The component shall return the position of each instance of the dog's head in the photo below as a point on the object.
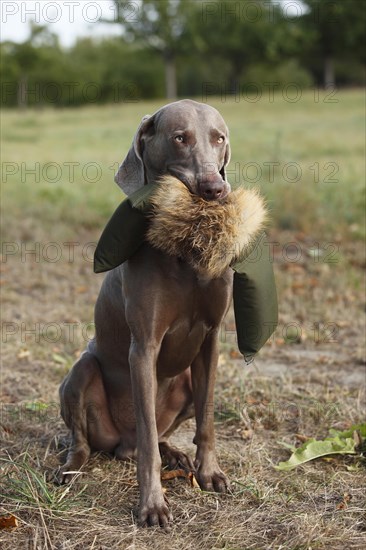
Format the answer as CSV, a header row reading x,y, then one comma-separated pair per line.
x,y
186,139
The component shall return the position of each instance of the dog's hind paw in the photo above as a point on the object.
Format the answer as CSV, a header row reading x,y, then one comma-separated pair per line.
x,y
64,476
174,458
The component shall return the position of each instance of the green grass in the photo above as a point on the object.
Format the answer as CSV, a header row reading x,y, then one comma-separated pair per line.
x,y
319,144
27,487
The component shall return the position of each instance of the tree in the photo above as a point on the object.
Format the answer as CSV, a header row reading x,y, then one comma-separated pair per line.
x,y
238,32
159,26
21,60
338,29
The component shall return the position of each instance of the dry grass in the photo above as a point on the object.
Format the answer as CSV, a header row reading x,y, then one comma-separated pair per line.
x,y
295,386
309,378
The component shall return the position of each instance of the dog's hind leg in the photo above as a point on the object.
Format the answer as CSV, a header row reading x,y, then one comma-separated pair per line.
x,y
171,456
85,411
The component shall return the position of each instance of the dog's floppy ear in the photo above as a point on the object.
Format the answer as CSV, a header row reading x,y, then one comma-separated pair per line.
x,y
131,173
226,161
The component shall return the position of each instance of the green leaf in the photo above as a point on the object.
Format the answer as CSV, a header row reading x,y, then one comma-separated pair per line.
x,y
288,446
315,449
59,358
360,428
351,441
36,406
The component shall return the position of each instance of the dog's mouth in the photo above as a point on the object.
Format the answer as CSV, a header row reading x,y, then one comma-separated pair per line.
x,y
210,190
183,178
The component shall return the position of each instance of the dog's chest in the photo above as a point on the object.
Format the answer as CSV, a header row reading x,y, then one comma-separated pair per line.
x,y
198,311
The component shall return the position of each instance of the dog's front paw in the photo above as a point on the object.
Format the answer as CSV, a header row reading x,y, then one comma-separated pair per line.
x,y
213,482
209,475
155,512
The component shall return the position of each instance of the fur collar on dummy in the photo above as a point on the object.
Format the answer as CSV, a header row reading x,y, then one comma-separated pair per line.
x,y
208,235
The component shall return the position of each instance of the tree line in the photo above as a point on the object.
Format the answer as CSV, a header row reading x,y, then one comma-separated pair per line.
x,y
177,48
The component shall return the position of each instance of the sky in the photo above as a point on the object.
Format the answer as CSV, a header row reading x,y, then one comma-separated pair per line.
x,y
71,19
68,19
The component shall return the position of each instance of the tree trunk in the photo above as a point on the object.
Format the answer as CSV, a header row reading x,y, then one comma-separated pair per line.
x,y
170,77
22,92
329,78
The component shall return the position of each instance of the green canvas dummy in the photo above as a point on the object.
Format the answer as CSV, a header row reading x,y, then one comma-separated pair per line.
x,y
125,231
254,291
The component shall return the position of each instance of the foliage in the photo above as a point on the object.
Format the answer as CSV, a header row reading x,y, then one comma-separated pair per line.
x,y
159,25
198,45
91,72
288,73
348,442
338,34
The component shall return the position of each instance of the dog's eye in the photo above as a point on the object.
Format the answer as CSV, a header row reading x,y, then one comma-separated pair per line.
x,y
179,139
221,139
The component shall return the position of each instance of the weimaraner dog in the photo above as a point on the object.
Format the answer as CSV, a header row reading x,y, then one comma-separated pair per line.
x,y
153,360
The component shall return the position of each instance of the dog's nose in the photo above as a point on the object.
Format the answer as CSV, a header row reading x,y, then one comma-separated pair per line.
x,y
211,191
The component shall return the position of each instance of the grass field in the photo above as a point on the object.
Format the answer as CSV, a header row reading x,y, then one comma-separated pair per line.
x,y
57,194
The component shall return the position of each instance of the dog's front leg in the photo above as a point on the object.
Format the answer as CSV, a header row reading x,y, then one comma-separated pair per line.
x,y
153,507
209,475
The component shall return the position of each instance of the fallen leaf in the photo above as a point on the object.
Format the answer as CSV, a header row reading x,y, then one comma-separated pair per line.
x,y
301,236
344,504
59,359
313,282
252,400
302,438
357,439
343,324
36,406
298,287
81,289
171,474
6,429
360,428
193,480
339,443
316,449
23,353
246,434
8,522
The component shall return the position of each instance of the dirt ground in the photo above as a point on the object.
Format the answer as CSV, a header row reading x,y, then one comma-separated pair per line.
x,y
308,378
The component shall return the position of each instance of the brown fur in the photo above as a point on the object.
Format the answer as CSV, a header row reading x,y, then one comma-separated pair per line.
x,y
209,235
